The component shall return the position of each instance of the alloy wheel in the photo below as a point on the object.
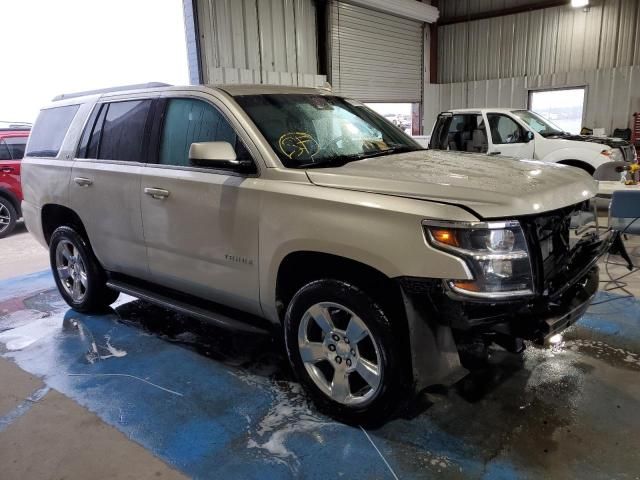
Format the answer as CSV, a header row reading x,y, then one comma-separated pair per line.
x,y
71,270
5,218
340,354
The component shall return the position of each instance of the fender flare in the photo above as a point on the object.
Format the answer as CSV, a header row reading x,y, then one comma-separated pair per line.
x,y
572,162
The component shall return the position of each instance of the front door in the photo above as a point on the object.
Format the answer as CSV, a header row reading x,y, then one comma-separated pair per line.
x,y
200,224
507,137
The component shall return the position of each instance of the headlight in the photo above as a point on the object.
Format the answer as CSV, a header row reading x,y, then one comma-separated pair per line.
x,y
615,154
495,252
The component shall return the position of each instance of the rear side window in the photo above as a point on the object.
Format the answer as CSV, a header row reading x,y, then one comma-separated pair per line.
x,y
123,131
4,151
117,131
460,132
16,146
49,131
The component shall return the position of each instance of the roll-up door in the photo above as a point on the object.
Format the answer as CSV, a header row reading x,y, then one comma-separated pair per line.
x,y
375,56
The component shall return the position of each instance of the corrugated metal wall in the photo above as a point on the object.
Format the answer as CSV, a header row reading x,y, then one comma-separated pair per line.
x,y
613,94
259,41
540,42
192,43
375,56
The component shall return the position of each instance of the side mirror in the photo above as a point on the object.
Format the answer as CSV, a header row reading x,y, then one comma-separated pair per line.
x,y
528,136
217,155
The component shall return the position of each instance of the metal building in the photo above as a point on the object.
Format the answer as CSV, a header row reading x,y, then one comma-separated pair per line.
x,y
479,53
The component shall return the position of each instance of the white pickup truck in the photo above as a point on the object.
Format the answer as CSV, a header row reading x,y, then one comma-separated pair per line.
x,y
524,134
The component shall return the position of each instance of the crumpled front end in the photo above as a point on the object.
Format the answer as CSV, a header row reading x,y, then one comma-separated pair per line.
x,y
565,280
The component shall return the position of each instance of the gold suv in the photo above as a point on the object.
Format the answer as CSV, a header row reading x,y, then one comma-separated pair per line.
x,y
300,213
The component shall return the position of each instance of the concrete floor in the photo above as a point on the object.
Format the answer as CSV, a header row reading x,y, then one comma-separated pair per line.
x,y
21,254
141,392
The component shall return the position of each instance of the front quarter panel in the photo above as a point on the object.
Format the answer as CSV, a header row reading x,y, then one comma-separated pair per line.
x,y
381,231
559,150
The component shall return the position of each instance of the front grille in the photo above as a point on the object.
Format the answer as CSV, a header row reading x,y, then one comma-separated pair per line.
x,y
556,258
549,242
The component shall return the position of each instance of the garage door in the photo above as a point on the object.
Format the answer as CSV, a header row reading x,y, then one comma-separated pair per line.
x,y
375,57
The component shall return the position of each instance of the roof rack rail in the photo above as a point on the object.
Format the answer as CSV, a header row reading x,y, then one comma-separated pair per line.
x,y
137,86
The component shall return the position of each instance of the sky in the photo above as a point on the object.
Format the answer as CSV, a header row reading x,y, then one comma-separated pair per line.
x,y
60,46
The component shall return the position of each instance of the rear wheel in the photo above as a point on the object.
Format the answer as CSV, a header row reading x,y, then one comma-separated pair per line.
x,y
8,217
78,275
342,348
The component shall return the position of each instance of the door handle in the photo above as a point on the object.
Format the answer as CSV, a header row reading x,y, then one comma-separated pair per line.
x,y
157,193
83,182
7,169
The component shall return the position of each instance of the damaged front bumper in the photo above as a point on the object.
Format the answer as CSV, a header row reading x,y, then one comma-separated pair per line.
x,y
535,318
440,319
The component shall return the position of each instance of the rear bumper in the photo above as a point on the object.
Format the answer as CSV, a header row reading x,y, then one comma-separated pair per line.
x,y
33,220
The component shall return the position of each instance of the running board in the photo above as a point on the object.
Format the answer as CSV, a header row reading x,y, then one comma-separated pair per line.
x,y
216,318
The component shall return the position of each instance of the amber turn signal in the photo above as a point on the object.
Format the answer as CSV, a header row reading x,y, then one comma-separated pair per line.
x,y
444,236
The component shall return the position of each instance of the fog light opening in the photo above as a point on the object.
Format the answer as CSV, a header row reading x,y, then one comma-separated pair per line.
x,y
555,339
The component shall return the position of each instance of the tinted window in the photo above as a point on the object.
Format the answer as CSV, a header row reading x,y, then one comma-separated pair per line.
x,y
504,129
16,146
123,131
88,130
49,131
4,151
188,121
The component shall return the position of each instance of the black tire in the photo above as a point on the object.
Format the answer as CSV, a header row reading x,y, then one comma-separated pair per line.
x,y
7,207
96,296
383,403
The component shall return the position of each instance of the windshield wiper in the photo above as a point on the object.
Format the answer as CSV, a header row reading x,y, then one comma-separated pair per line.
x,y
341,160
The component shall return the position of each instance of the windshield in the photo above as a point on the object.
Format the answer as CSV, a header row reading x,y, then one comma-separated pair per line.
x,y
308,131
541,125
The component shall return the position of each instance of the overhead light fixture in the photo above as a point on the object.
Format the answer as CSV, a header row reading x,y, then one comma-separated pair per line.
x,y
579,3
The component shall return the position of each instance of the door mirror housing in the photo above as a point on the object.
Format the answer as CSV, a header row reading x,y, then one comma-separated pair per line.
x,y
528,136
220,155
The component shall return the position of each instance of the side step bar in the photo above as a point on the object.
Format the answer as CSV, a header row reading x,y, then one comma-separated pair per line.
x,y
216,318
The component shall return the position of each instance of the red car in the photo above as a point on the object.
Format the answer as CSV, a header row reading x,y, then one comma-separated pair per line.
x,y
12,144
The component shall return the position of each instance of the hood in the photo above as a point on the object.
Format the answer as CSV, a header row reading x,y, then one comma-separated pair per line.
x,y
608,141
492,187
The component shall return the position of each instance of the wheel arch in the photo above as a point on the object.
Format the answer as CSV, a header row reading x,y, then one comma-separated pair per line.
x,y
54,216
587,167
303,266
11,197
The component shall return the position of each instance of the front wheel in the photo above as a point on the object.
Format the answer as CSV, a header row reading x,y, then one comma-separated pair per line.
x,y
344,351
77,273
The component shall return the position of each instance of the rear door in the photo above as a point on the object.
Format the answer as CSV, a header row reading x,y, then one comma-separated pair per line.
x,y
11,153
202,230
105,183
508,137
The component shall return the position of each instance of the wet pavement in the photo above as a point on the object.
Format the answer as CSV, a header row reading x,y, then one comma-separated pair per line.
x,y
214,404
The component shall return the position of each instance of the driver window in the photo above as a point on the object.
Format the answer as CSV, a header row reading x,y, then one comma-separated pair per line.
x,y
190,121
504,129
